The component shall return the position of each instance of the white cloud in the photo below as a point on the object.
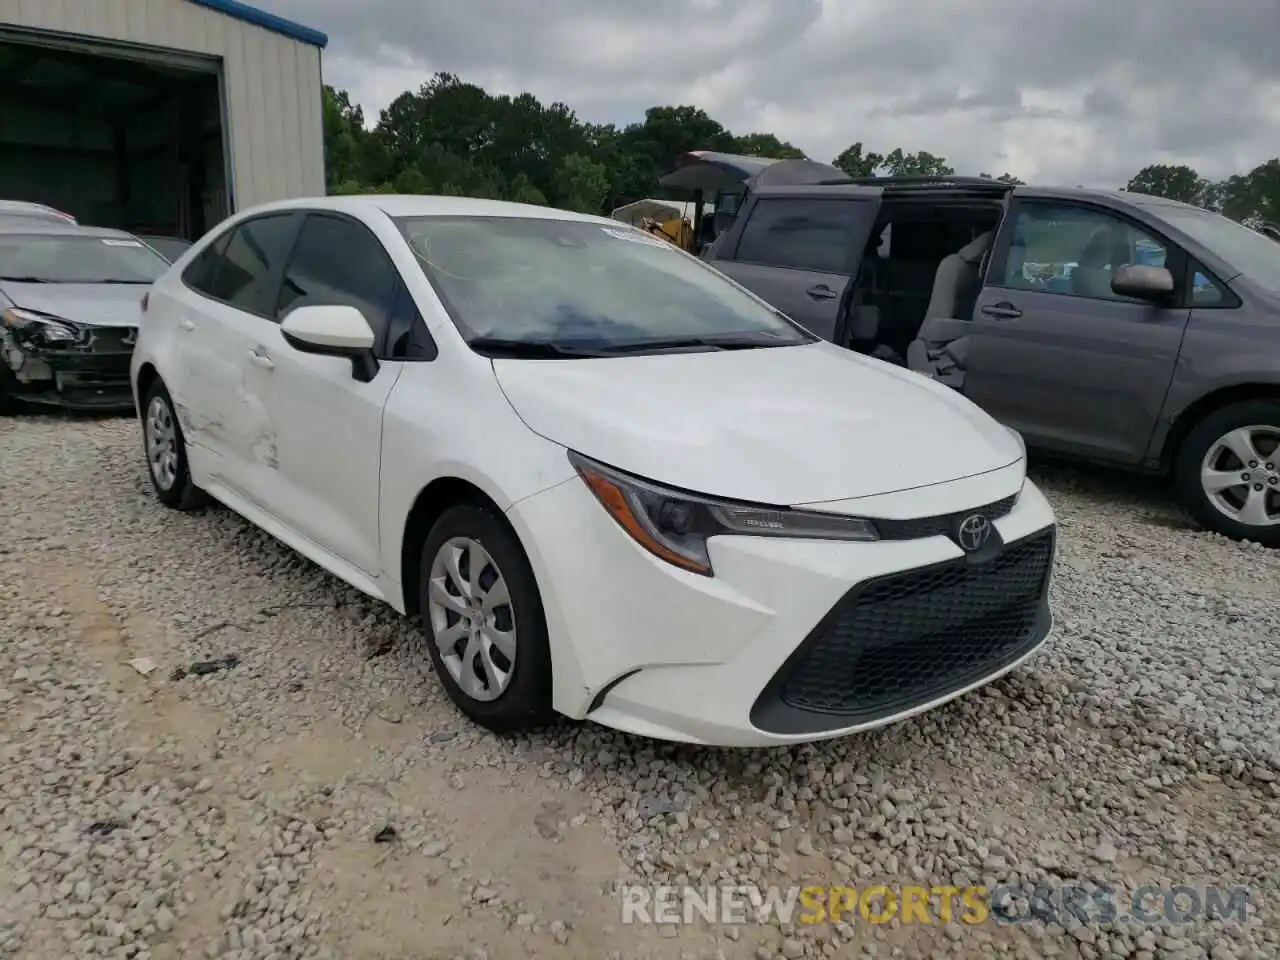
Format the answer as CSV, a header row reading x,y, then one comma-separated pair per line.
x,y
1082,92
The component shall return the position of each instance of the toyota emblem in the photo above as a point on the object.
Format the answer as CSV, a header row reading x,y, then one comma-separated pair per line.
x,y
974,532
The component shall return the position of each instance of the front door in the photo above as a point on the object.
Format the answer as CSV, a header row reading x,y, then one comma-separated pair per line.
x,y
1054,352
328,422
796,248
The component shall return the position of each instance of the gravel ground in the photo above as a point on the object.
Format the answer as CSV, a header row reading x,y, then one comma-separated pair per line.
x,y
314,795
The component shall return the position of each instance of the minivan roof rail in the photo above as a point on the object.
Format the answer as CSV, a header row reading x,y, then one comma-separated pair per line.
x,y
930,181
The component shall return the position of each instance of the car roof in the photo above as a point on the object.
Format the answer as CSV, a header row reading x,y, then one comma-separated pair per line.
x,y
944,185
32,227
1122,197
25,205
412,205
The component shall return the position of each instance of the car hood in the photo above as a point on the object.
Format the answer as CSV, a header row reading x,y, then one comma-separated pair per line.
x,y
93,304
781,425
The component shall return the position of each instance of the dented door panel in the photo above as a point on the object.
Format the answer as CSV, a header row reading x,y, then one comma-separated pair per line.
x,y
229,400
325,450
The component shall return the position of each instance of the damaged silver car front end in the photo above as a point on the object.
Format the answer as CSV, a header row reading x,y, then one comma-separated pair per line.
x,y
52,361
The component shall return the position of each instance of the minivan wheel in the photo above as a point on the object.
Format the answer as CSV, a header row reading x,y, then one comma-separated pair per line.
x,y
1228,471
166,452
483,622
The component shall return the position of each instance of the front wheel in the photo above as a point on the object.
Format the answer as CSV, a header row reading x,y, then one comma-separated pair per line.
x,y
483,621
1228,471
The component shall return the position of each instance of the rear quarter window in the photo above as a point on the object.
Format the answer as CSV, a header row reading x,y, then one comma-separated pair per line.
x,y
801,234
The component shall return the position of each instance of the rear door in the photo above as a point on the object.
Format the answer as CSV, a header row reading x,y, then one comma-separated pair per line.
x,y
1054,352
228,386
796,247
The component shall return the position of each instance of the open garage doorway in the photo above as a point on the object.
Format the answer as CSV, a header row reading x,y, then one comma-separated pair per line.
x,y
115,137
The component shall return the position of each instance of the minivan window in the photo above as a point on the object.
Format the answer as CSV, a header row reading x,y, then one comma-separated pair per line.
x,y
1075,250
1251,253
584,283
813,234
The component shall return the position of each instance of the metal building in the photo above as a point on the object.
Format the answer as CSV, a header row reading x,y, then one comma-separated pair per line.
x,y
157,116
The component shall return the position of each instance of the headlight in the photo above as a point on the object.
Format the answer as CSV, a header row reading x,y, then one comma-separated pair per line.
x,y
40,327
674,525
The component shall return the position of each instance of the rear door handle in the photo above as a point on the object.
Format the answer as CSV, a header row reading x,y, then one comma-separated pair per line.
x,y
822,292
1002,311
260,358
185,324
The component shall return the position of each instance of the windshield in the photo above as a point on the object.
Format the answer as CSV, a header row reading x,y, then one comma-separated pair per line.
x,y
583,284
1253,254
46,258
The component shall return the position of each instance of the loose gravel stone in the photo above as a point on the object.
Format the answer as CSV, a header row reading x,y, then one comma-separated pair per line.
x,y
231,812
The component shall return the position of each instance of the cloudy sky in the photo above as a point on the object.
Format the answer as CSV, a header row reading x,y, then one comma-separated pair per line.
x,y
1056,91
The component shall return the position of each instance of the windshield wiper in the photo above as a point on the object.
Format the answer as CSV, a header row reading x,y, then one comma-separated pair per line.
x,y
132,282
529,349
738,342
26,279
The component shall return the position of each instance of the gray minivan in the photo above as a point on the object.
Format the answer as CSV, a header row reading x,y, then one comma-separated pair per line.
x,y
1110,326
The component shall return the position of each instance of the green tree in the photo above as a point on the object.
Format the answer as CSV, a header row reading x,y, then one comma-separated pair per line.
x,y
767,145
896,163
922,164
856,163
1254,197
344,138
1173,182
581,184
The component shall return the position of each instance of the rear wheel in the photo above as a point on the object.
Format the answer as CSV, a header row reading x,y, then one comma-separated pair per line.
x,y
1228,471
483,621
166,451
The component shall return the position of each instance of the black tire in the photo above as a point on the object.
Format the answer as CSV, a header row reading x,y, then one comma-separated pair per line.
x,y
525,702
1199,442
181,493
8,391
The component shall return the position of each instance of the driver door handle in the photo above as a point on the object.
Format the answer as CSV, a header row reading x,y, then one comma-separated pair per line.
x,y
822,292
185,324
259,357
1002,311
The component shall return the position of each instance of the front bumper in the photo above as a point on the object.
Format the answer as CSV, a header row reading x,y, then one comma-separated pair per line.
x,y
94,376
791,640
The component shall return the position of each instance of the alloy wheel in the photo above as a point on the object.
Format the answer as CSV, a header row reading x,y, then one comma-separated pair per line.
x,y
162,443
472,618
1240,475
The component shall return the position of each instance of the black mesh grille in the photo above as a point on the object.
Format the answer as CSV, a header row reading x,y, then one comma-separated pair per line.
x,y
903,640
943,525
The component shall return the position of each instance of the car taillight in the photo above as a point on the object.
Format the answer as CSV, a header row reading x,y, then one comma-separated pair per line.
x,y
146,301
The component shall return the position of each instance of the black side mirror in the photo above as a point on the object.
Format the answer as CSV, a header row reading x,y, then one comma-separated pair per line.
x,y
1142,282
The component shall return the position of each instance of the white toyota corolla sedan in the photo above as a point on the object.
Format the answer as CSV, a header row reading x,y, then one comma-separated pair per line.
x,y
614,484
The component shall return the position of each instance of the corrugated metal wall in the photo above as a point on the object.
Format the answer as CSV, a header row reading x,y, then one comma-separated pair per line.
x,y
272,83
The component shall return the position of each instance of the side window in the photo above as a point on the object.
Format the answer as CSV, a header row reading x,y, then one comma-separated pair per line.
x,y
200,272
246,271
338,261
801,233
1075,251
1208,291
